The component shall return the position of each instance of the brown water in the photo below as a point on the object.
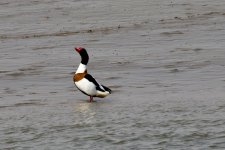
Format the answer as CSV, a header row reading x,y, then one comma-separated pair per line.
x,y
164,60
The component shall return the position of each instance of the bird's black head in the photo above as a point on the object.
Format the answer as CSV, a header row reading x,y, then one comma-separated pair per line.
x,y
84,55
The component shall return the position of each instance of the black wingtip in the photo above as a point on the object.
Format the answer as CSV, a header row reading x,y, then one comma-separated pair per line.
x,y
107,89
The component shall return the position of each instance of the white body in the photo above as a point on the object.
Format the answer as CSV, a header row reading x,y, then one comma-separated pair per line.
x,y
86,86
89,87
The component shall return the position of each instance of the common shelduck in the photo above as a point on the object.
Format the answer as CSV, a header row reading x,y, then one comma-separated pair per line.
x,y
85,82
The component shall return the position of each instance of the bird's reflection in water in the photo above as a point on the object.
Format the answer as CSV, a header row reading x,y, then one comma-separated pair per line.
x,y
85,114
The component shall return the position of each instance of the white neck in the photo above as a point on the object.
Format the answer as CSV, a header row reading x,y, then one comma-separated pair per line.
x,y
81,68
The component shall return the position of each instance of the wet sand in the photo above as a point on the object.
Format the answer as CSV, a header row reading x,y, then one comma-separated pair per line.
x,y
164,62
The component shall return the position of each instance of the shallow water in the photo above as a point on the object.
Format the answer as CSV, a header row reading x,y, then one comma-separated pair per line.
x,y
164,62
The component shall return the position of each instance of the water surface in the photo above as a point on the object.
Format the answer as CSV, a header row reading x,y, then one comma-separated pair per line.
x,y
164,62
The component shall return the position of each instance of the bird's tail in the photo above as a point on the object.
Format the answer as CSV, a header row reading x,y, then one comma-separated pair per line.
x,y
107,89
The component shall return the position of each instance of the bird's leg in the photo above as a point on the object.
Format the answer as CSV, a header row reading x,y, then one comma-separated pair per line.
x,y
91,99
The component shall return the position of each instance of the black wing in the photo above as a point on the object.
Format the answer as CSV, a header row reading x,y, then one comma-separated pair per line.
x,y
107,89
91,79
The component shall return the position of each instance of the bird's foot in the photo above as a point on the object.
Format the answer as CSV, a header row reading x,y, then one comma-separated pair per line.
x,y
91,99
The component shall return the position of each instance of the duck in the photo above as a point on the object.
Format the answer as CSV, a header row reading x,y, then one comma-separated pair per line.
x,y
85,82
